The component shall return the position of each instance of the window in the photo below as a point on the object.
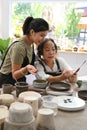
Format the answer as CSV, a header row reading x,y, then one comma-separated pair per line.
x,y
55,12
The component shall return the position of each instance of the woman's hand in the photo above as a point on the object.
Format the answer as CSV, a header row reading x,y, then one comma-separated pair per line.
x,y
66,74
73,78
31,69
69,74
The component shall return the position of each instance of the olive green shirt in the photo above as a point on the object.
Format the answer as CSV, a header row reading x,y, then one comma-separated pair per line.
x,y
16,55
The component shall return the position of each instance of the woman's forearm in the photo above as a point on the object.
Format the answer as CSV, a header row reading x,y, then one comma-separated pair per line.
x,y
20,73
56,78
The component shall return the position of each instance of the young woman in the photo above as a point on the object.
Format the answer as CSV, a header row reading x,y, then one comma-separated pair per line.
x,y
50,66
19,56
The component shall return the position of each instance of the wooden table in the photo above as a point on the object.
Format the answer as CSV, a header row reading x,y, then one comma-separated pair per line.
x,y
71,120
76,120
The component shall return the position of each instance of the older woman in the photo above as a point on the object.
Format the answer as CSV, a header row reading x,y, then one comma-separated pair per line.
x,y
51,67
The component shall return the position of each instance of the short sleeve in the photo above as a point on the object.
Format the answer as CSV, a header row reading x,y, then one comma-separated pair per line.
x,y
17,54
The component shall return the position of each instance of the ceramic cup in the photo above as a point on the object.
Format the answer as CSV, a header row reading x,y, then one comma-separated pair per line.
x,y
7,88
21,87
45,119
33,101
51,105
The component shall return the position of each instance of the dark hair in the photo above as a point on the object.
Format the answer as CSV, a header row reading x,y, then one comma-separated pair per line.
x,y
41,46
37,24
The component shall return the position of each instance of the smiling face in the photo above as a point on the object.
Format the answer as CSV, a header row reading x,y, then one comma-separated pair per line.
x,y
38,37
49,51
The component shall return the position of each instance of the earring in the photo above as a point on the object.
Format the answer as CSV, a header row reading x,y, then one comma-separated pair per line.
x,y
42,57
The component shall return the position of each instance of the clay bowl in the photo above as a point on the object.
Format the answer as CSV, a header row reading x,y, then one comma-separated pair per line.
x,y
21,87
40,84
60,86
83,94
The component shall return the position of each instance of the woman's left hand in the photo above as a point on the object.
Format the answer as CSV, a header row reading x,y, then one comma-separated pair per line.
x,y
31,69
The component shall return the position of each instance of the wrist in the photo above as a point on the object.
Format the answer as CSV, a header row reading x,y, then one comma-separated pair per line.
x,y
62,77
23,71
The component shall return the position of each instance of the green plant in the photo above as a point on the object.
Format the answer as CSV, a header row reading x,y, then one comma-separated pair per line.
x,y
4,43
79,83
72,19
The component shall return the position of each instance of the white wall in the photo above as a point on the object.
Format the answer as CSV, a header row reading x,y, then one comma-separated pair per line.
x,y
75,60
0,19
5,15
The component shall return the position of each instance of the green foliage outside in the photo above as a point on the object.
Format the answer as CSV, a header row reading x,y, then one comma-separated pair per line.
x,y
72,19
23,10
36,9
4,43
68,28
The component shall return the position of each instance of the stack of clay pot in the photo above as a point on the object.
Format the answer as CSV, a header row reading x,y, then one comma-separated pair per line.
x,y
20,117
6,99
